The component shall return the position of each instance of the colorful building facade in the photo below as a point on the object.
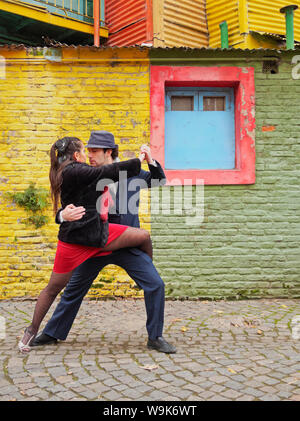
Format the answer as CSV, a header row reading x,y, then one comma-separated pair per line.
x,y
236,151
251,23
158,23
33,22
195,24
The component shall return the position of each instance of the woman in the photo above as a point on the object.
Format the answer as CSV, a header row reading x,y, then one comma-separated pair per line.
x,y
75,182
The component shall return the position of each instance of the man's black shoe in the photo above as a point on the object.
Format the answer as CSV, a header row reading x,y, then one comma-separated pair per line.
x,y
43,339
161,345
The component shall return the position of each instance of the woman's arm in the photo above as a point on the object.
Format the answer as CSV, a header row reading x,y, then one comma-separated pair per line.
x,y
130,168
85,174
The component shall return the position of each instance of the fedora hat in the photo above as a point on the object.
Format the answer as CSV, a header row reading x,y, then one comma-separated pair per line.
x,y
101,139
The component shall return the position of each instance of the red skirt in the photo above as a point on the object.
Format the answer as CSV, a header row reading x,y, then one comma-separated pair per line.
x,y
69,256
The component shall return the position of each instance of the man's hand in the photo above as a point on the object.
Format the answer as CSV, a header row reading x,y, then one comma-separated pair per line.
x,y
73,213
141,156
146,150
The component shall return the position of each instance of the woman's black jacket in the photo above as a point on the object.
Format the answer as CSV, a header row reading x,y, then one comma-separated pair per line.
x,y
83,185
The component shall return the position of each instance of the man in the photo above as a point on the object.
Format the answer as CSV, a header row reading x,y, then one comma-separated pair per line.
x,y
102,150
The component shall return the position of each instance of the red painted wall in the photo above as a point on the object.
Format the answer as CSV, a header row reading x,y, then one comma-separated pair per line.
x,y
129,22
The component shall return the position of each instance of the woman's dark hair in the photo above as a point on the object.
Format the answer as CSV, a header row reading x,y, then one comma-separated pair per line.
x,y
61,154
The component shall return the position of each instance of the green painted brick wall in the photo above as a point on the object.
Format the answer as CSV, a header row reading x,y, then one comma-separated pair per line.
x,y
248,244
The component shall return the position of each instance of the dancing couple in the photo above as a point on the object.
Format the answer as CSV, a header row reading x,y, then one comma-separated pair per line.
x,y
90,238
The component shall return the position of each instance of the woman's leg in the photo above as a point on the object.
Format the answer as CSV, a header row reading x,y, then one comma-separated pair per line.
x,y
57,282
132,237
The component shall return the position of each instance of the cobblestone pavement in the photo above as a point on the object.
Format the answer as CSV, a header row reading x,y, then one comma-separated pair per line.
x,y
243,350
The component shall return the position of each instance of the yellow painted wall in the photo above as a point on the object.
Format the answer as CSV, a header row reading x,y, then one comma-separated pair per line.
x,y
179,24
244,16
219,11
265,16
40,102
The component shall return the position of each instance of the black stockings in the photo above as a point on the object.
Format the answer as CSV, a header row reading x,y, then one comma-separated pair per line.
x,y
132,237
57,282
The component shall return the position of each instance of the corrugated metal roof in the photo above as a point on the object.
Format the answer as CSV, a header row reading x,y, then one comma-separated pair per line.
x,y
57,44
219,11
182,23
127,21
122,13
132,34
14,46
279,37
265,16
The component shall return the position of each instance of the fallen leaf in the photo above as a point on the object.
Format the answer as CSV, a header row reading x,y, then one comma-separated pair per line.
x,y
70,372
231,370
149,367
259,332
251,323
175,320
284,306
183,329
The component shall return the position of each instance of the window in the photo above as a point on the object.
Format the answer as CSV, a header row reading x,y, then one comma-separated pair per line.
x,y
181,103
214,103
199,128
203,123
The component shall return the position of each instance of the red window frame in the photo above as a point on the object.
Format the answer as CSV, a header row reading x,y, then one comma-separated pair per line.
x,y
242,80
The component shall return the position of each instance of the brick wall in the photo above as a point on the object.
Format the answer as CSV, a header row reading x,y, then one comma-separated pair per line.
x,y
248,244
39,103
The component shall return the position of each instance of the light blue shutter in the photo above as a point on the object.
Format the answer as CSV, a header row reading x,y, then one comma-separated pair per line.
x,y
200,139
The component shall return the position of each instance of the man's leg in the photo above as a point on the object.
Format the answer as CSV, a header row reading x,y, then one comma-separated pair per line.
x,y
140,268
82,278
